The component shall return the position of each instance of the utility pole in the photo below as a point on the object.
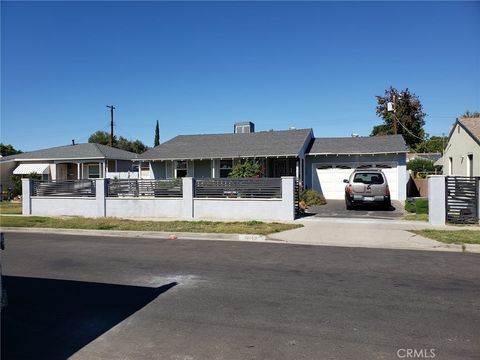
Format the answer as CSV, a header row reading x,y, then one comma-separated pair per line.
x,y
394,115
111,107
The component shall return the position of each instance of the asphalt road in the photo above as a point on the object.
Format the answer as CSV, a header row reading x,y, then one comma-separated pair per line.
x,y
133,298
337,209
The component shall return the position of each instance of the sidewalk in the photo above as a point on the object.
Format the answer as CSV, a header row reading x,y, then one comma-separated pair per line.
x,y
380,234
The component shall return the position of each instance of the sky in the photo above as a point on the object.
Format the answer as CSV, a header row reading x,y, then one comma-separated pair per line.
x,y
198,67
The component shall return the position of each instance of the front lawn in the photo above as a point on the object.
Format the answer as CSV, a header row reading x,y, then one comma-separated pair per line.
x,y
416,217
451,236
237,227
10,207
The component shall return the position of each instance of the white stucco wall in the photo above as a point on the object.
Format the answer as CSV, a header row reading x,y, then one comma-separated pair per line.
x,y
63,206
143,207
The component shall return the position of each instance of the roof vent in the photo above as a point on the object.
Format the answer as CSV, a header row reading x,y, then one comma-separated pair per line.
x,y
73,142
355,135
244,127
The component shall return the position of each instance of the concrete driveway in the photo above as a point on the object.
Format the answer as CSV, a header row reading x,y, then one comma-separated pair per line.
x,y
337,209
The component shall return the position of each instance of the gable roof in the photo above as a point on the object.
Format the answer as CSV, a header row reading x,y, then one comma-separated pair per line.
x,y
209,146
359,145
73,152
471,126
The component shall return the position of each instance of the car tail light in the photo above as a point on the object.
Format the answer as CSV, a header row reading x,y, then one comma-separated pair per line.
x,y
349,189
387,191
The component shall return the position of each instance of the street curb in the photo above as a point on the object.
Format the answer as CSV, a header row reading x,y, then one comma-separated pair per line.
x,y
145,234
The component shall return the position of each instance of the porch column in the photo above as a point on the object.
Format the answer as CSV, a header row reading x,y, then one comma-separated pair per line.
x,y
297,168
213,168
100,170
104,169
78,171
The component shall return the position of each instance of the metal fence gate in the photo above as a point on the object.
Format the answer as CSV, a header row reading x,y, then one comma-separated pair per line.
x,y
461,199
297,196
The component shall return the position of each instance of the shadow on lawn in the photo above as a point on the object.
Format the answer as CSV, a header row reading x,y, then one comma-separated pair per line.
x,y
53,319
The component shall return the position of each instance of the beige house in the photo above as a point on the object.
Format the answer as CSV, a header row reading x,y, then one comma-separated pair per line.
x,y
462,154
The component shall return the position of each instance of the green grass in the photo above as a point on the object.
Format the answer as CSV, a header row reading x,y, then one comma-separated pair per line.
x,y
416,217
451,236
245,227
10,207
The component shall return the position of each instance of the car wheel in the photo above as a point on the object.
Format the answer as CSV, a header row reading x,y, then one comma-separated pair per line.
x,y
348,204
387,204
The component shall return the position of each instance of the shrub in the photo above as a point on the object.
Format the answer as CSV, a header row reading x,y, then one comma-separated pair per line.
x,y
410,205
419,205
311,197
422,206
246,169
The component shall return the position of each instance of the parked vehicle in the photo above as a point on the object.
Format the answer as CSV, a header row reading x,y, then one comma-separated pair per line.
x,y
367,187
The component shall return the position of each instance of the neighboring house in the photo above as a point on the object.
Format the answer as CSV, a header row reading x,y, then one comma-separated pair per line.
x,y
71,162
462,154
426,156
321,164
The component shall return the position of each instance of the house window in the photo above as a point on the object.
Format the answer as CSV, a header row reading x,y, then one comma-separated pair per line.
x,y
181,169
226,167
470,165
450,166
93,171
112,165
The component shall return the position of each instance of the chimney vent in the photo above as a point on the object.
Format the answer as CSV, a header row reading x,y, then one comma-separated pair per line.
x,y
244,127
73,142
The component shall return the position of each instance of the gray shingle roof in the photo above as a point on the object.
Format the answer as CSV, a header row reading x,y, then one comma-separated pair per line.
x,y
78,151
359,145
472,125
264,143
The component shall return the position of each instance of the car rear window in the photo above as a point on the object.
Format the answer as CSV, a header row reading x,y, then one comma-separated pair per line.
x,y
368,178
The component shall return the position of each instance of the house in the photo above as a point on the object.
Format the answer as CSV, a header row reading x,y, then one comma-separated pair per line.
x,y
425,156
462,154
319,163
71,162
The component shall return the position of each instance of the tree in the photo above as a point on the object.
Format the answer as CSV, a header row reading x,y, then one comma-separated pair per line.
x,y
409,114
246,169
135,146
432,144
7,149
102,137
468,114
157,135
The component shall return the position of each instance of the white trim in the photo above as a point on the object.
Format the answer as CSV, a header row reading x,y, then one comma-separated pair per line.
x,y
352,153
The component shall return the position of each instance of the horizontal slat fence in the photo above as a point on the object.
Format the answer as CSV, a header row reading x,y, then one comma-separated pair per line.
x,y
461,199
260,188
143,187
80,188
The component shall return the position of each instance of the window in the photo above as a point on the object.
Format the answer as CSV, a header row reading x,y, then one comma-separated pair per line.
x,y
450,166
470,165
93,171
111,166
226,167
368,178
181,169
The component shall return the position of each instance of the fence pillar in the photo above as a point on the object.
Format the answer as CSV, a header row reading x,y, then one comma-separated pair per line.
x,y
436,200
27,186
100,197
187,200
288,197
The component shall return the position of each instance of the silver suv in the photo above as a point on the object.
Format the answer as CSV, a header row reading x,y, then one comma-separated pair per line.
x,y
367,187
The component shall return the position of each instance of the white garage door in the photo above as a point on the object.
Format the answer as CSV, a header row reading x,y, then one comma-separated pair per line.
x,y
330,177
